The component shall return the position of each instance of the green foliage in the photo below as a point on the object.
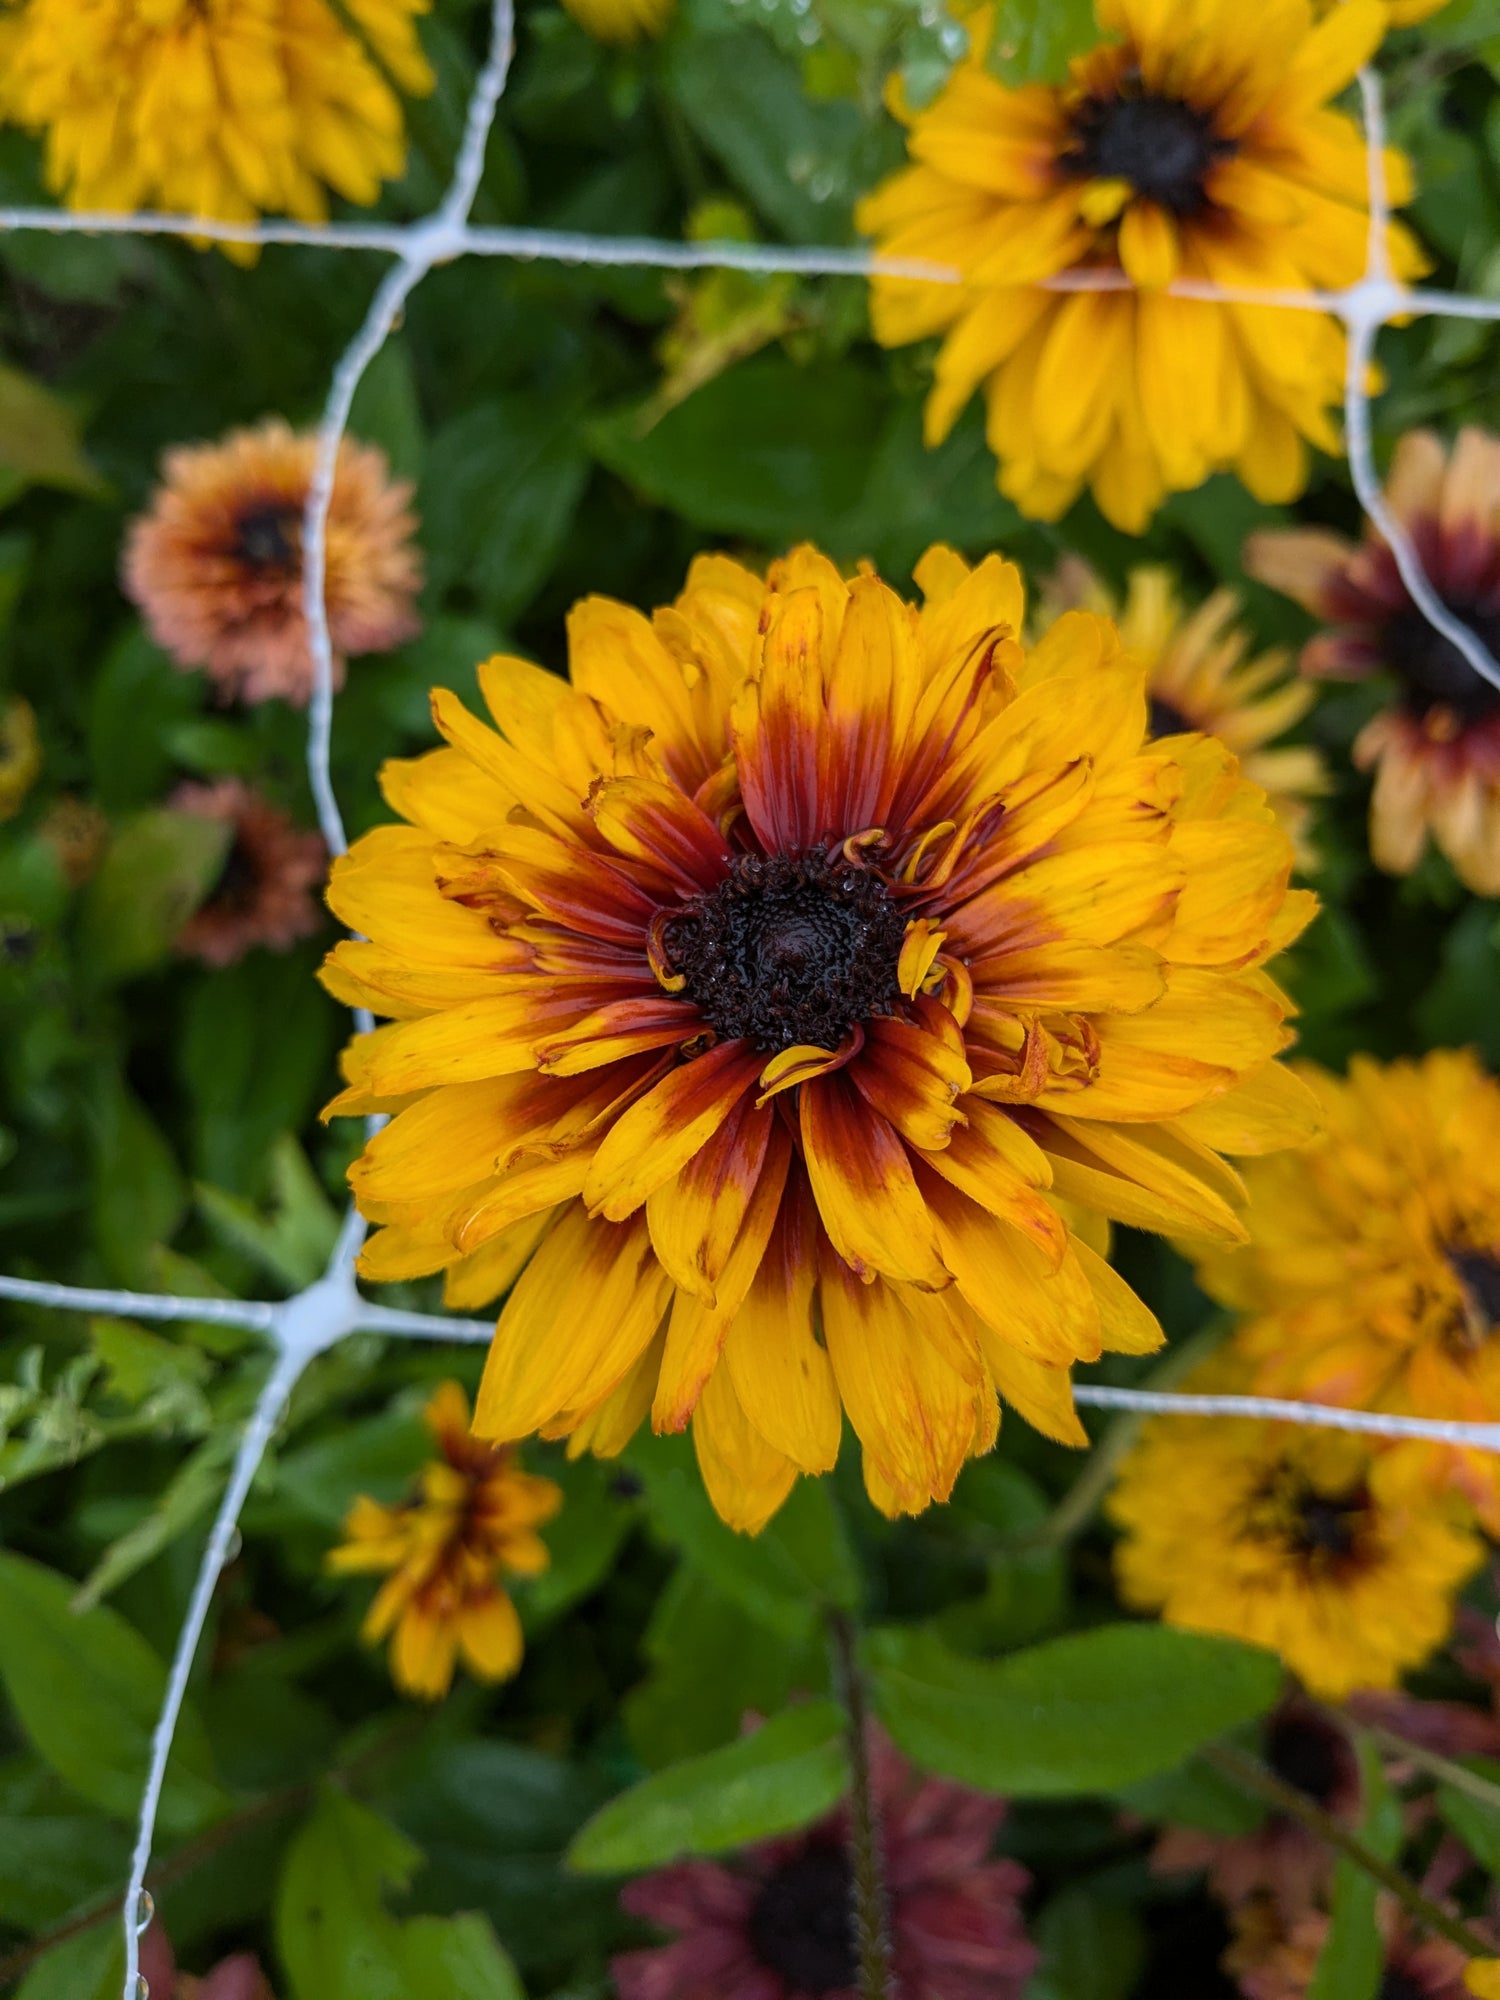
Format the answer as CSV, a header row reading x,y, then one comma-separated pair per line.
x,y
1086,1713
1349,1965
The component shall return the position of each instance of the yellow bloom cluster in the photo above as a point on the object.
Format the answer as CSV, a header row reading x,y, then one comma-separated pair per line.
x,y
222,108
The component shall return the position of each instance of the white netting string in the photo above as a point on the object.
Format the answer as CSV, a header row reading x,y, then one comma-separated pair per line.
x,y
302,1327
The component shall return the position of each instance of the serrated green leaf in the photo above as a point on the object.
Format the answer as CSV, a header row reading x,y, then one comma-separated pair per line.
x,y
787,1773
87,1688
1086,1713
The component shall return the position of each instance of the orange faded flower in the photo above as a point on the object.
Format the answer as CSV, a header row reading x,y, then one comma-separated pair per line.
x,y
215,564
1436,749
759,993
473,1519
264,893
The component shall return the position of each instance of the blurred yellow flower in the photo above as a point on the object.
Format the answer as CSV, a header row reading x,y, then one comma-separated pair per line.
x,y
1372,1273
1287,1537
620,21
1482,1978
20,755
475,1516
1199,678
1197,143
222,108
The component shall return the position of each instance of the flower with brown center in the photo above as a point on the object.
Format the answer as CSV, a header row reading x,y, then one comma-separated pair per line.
x,y
215,564
1436,749
473,1519
265,891
776,1923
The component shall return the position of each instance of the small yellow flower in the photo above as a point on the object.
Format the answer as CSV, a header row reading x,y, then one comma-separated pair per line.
x,y
1198,143
223,108
620,21
1373,1269
1288,1537
1482,1978
474,1516
20,756
1199,678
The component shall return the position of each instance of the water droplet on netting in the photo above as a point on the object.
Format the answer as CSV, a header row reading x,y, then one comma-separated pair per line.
x,y
142,1990
145,1910
232,1548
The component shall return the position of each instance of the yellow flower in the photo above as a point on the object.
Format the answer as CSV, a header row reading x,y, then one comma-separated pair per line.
x,y
1198,678
1373,1270
1482,1977
474,1518
223,108
1198,144
620,21
799,947
20,755
1436,748
1287,1537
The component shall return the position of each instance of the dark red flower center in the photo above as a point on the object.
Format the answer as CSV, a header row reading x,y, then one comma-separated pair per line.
x,y
1398,1985
238,882
268,536
790,948
801,1925
1307,1754
1162,146
1479,1274
1434,673
1162,719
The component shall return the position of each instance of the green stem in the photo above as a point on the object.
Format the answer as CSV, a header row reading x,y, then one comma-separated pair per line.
x,y
1286,1799
1485,1790
872,1939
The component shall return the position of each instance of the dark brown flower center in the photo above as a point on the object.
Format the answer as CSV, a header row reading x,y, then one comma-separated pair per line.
x,y
1434,673
1479,1274
238,882
1398,1985
801,1925
789,948
1307,1754
269,536
1329,1526
1162,146
1162,719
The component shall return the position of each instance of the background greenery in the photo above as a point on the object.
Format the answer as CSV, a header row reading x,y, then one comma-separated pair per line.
x,y
568,431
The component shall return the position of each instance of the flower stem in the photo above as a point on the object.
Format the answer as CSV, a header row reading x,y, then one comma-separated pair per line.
x,y
1263,1784
872,1937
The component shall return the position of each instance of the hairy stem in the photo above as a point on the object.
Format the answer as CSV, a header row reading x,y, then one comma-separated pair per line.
x,y
872,1937
1263,1784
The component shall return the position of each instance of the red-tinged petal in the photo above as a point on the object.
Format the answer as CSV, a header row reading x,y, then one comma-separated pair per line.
x,y
862,1182
696,1329
525,1190
911,1409
484,1038
661,1131
368,975
913,1078
581,1313
782,1375
612,1033
386,888
871,699
518,776
477,1281
1064,977
776,725
919,950
1043,1307
656,824
695,1217
1092,895
802,1062
573,886
996,1164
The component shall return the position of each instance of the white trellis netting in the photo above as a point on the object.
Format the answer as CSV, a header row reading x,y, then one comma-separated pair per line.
x,y
300,1328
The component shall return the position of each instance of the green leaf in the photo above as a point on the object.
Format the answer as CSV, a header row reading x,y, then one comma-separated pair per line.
x,y
784,1576
40,441
583,1540
1476,1824
1350,1964
1092,1949
292,1243
788,1772
87,1689
379,1455
766,450
501,487
158,869
1035,40
137,699
387,411
52,1863
1194,1795
1086,1713
138,1194
338,1941
188,1496
90,1966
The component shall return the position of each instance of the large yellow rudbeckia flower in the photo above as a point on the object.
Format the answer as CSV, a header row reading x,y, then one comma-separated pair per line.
x,y
1198,144
1373,1272
755,989
221,108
